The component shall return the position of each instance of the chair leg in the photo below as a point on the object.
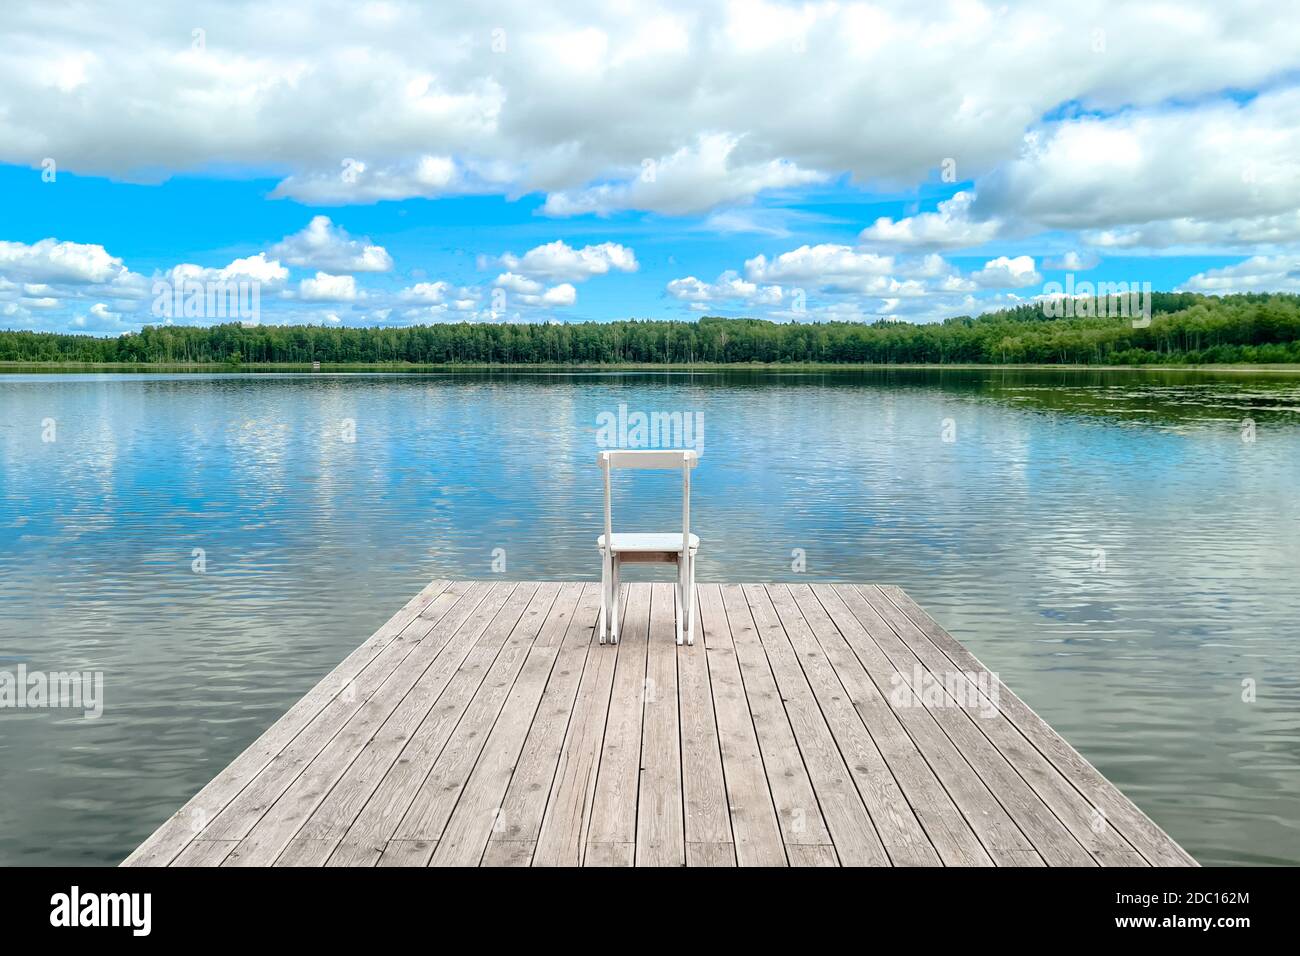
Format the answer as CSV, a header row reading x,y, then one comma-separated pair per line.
x,y
679,593
605,595
690,599
615,583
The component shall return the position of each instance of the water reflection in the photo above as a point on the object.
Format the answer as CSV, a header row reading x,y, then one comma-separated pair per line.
x,y
1105,540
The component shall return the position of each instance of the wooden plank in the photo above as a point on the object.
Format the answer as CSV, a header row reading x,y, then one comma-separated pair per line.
x,y
610,854
205,853
563,830
380,815
483,724
1139,829
660,825
710,854
704,789
851,828
524,803
948,830
406,702
300,852
613,811
961,776
406,853
813,855
1089,828
285,819
899,830
509,852
246,811
478,814
792,791
1049,836
755,827
429,812
176,832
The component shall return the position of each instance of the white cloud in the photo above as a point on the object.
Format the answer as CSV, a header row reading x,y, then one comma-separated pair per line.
x,y
692,179
430,292
1073,261
356,181
559,260
99,318
517,283
1256,274
1175,172
560,295
1199,234
825,265
50,260
329,288
679,110
728,287
780,92
1007,273
524,291
256,268
950,227
323,245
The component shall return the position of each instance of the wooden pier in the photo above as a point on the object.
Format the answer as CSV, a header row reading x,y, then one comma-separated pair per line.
x,y
810,725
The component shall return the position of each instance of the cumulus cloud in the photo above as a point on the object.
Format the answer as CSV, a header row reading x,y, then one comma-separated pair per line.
x,y
680,110
949,227
692,179
1007,273
560,295
256,268
526,291
50,260
1256,274
827,265
729,287
429,292
323,245
329,288
1218,163
356,181
517,283
780,92
1073,261
99,318
1199,234
559,260
1218,174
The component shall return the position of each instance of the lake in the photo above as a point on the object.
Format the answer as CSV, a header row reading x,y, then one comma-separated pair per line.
x,y
1120,547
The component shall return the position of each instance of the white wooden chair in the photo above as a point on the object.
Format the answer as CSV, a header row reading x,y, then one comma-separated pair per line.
x,y
667,547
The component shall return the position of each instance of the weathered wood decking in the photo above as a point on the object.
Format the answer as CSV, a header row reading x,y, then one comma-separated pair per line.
x,y
810,725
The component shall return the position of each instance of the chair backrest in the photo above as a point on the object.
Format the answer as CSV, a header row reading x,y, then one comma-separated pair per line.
x,y
685,459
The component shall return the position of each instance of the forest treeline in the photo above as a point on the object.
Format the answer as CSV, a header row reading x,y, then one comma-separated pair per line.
x,y
1185,328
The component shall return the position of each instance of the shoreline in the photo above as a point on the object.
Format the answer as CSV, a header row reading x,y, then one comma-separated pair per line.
x,y
397,367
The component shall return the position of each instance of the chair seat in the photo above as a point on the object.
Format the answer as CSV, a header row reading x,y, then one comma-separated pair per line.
x,y
632,542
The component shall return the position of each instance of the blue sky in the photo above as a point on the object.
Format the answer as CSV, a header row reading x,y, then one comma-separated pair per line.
x,y
388,164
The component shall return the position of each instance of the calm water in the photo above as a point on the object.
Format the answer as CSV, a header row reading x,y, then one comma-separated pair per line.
x,y
1107,541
